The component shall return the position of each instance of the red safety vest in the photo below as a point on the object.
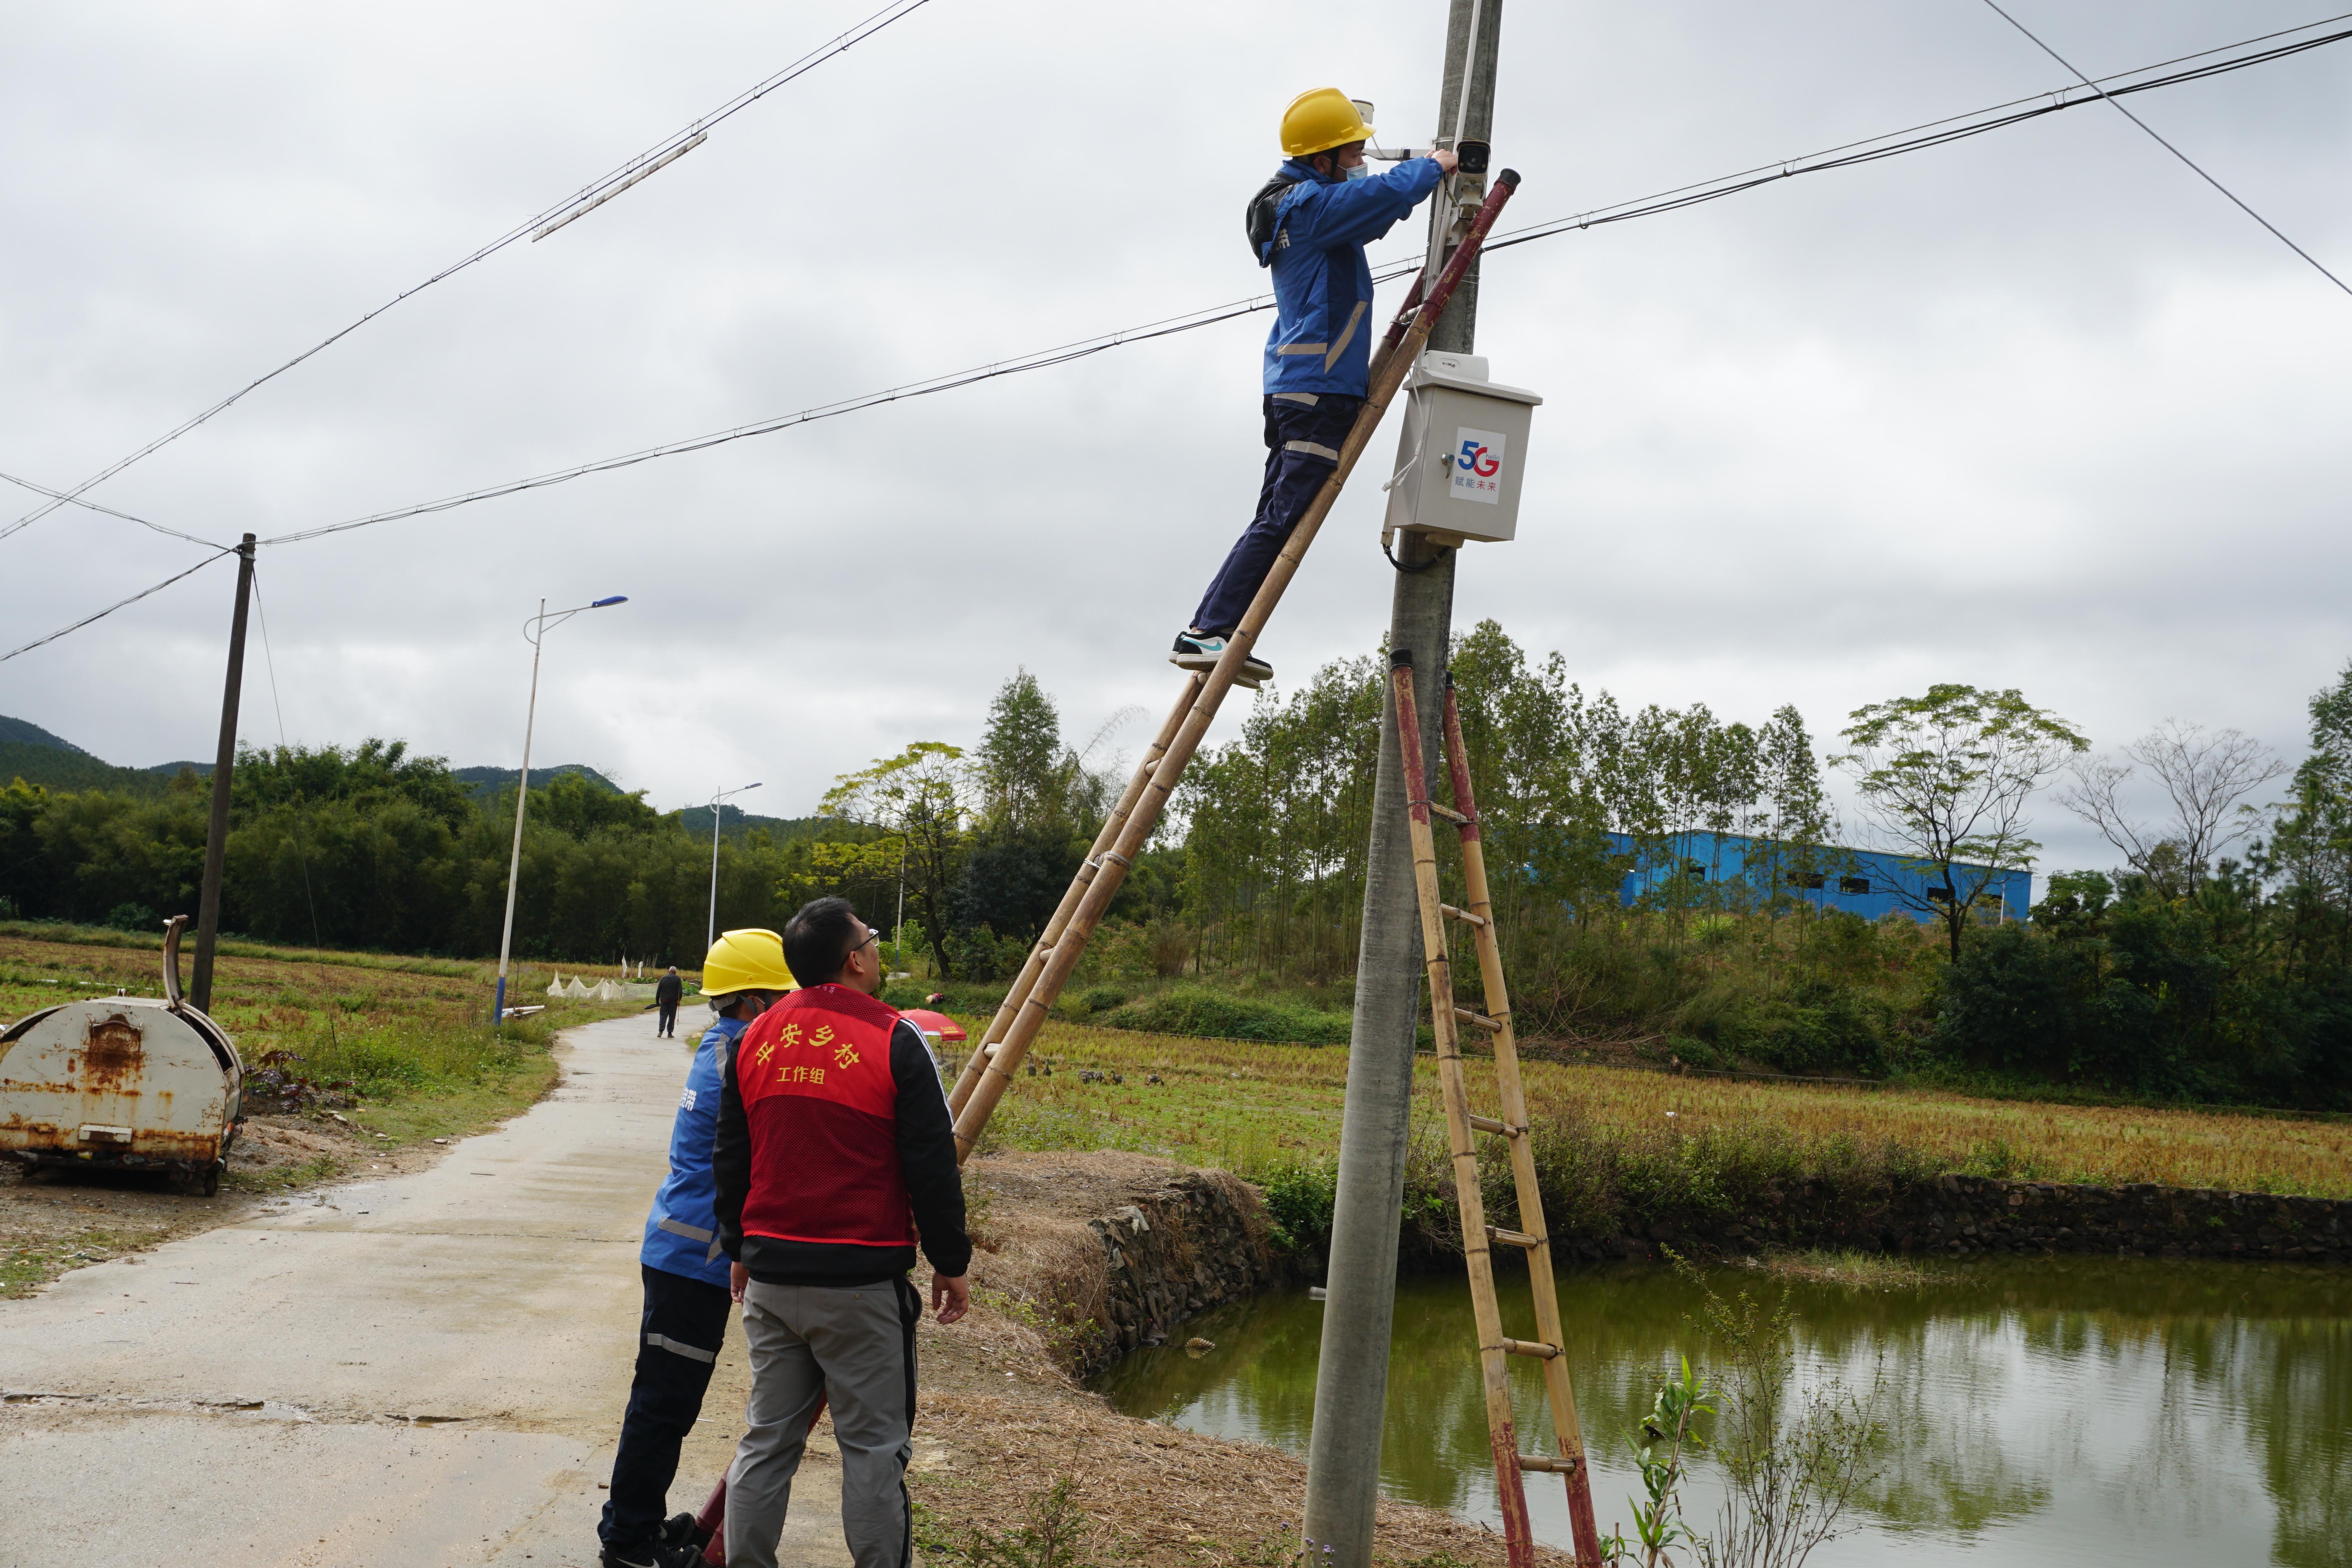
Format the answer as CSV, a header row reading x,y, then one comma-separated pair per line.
x,y
813,1072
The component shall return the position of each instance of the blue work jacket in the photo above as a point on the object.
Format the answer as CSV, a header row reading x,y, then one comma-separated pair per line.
x,y
1323,330
682,1232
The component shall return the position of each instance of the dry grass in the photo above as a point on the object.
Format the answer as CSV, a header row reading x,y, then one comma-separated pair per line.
x,y
1152,1495
1252,1107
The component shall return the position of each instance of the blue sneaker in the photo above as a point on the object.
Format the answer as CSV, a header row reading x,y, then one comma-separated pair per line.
x,y
1201,650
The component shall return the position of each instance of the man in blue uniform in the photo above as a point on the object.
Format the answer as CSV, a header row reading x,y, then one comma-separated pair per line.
x,y
1308,225
686,1303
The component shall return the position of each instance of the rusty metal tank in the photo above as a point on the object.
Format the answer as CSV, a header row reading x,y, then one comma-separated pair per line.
x,y
126,1082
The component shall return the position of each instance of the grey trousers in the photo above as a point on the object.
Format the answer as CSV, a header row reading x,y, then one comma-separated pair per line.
x,y
857,1349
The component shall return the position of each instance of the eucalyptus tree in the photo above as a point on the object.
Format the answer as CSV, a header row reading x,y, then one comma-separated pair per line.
x,y
1946,779
920,801
2205,776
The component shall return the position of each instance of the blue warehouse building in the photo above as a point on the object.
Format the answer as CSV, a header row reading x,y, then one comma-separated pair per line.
x,y
1864,882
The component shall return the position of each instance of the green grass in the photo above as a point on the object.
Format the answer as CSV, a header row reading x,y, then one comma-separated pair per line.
x,y
1616,1146
406,1040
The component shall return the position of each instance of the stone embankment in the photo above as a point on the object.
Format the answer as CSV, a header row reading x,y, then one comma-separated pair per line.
x,y
1200,1240
1114,1250
1956,1216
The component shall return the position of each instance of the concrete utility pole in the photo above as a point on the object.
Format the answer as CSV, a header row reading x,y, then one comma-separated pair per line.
x,y
200,982
1343,1453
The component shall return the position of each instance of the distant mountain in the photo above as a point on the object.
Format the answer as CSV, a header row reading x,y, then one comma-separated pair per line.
x,y
696,820
30,752
24,732
484,782
64,767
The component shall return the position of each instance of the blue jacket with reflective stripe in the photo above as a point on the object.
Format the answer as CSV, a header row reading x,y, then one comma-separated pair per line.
x,y
1323,325
682,1232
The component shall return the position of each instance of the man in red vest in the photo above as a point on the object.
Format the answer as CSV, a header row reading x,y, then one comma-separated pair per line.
x,y
834,1154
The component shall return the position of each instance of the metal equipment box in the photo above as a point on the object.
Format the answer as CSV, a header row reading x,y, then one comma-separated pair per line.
x,y
1463,452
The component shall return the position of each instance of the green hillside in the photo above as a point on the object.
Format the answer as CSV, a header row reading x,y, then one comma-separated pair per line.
x,y
69,768
483,784
32,734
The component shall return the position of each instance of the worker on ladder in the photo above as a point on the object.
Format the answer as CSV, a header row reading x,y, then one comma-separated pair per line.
x,y
1309,225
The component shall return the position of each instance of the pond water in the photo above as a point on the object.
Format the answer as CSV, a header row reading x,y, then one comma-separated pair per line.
x,y
2052,1411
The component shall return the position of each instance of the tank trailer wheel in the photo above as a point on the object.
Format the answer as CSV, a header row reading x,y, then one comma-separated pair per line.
x,y
210,1182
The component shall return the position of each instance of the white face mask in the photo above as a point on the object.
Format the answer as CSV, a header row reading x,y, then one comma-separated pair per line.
x,y
1356,172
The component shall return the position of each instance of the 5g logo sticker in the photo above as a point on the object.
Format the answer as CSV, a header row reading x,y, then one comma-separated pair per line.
x,y
1478,466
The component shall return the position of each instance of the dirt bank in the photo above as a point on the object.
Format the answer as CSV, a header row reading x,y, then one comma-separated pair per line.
x,y
1000,1399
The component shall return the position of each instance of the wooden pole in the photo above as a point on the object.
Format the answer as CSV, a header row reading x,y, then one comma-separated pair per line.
x,y
1480,907
1493,1350
208,894
1398,353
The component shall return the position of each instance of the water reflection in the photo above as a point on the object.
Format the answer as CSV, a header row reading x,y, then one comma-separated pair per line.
x,y
2049,1411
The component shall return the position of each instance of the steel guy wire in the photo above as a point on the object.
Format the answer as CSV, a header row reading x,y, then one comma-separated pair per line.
x,y
592,194
2193,166
301,851
1847,154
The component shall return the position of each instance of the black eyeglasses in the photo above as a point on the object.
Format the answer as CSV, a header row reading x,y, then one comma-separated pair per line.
x,y
873,936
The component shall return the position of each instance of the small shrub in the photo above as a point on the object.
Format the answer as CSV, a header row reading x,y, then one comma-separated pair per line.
x,y
1299,1202
1102,999
1217,1014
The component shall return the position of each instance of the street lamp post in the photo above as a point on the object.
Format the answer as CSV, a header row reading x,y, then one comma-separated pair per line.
x,y
533,630
712,939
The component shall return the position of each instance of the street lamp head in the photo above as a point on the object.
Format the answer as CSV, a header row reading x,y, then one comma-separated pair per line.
x,y
615,599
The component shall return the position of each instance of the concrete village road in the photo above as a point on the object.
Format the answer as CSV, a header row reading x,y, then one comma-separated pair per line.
x,y
411,1372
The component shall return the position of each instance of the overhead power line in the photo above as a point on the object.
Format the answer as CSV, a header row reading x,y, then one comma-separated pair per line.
x,y
80,501
577,204
110,609
1917,137
2194,167
1932,133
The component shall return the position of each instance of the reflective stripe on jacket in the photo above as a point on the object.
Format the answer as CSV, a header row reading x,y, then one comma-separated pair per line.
x,y
1323,327
682,1231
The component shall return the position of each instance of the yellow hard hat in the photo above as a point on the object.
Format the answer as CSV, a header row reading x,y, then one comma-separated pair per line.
x,y
746,961
1319,121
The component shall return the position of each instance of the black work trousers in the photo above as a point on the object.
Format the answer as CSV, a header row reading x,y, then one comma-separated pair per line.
x,y
665,1021
1304,432
684,1324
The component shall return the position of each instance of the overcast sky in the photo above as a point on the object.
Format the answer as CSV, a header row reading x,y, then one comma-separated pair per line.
x,y
2039,410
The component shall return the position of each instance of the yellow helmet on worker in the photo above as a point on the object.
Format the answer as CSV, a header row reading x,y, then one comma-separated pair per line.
x,y
1319,120
749,960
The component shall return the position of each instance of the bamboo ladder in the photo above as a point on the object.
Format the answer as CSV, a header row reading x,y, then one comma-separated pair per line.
x,y
1462,1126
998,1053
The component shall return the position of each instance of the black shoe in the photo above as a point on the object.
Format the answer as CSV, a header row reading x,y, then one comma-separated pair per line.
x,y
680,1532
1201,650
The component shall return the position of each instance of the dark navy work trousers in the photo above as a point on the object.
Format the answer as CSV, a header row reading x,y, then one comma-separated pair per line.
x,y
683,1325
1302,440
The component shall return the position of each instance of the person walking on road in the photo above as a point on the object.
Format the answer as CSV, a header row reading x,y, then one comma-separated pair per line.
x,y
668,993
835,1155
1308,225
686,1301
